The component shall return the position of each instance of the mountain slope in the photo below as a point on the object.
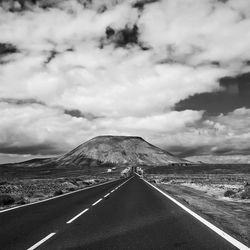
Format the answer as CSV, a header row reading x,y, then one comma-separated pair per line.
x,y
124,150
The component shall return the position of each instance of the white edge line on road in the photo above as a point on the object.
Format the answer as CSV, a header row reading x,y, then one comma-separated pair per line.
x,y
41,241
97,202
84,211
56,197
106,195
224,235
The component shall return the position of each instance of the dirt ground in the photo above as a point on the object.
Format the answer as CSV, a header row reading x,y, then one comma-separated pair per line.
x,y
205,194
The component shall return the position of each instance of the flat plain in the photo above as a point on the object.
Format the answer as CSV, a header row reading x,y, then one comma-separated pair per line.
x,y
220,193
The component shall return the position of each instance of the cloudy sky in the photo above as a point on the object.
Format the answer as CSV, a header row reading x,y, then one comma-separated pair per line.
x,y
176,72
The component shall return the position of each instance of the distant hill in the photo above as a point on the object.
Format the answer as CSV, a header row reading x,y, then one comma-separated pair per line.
x,y
96,156
118,150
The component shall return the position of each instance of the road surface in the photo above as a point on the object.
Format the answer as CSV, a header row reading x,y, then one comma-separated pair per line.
x,y
125,214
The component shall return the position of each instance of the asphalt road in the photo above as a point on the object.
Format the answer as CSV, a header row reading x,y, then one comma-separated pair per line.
x,y
23,227
134,216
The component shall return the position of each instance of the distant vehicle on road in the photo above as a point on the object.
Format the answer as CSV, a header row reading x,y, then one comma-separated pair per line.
x,y
139,171
126,172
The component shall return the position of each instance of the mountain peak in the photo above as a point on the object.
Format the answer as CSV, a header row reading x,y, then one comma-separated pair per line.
x,y
117,137
122,150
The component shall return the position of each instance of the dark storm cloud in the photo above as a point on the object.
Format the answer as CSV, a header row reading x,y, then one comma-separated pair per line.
x,y
230,150
53,53
223,1
77,113
22,5
129,35
224,150
72,112
102,9
141,3
183,151
37,149
123,37
51,56
239,85
236,94
7,48
21,101
172,55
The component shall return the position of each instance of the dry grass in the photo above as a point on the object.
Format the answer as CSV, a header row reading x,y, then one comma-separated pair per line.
x,y
22,191
205,194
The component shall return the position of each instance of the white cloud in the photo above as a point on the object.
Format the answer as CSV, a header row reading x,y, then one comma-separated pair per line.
x,y
35,124
164,123
107,82
198,31
131,90
224,134
41,29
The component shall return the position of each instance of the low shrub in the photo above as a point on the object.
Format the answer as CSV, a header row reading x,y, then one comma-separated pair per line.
x,y
58,192
38,195
21,201
86,183
6,199
229,193
246,193
3,183
78,179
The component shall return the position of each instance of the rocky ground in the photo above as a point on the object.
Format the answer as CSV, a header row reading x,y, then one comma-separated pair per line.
x,y
23,191
220,198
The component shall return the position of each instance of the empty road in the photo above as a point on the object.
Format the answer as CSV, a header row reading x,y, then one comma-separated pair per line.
x,y
125,214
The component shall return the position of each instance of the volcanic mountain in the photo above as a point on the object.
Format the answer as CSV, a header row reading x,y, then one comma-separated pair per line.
x,y
118,150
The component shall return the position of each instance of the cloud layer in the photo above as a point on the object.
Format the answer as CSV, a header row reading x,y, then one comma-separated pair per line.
x,y
70,70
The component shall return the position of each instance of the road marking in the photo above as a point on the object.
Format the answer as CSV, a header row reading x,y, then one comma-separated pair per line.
x,y
56,197
84,211
41,241
96,202
224,235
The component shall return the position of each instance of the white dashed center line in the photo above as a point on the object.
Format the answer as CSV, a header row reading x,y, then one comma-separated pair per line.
x,y
74,218
96,202
84,211
41,241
